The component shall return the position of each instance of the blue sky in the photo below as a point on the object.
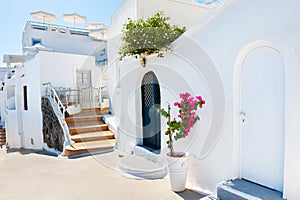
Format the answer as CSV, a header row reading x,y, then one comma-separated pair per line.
x,y
15,13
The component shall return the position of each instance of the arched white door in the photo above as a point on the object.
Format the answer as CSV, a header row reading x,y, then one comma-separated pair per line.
x,y
262,118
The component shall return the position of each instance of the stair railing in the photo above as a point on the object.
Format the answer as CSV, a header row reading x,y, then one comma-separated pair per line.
x,y
50,92
60,111
90,97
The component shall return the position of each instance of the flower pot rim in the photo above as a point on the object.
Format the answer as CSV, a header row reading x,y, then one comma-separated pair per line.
x,y
179,154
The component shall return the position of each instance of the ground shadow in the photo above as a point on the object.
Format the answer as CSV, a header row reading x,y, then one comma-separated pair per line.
x,y
188,194
30,151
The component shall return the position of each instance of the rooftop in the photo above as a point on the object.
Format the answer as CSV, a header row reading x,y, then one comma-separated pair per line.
x,y
67,30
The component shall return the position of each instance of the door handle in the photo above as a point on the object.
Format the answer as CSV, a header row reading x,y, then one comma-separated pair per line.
x,y
243,116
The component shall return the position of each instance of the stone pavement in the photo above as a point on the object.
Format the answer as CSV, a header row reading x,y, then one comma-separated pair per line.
x,y
34,175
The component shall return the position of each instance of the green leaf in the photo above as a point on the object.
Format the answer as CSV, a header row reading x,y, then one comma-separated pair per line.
x,y
151,36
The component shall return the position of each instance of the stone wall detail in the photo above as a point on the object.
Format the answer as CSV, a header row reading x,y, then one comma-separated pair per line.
x,y
52,131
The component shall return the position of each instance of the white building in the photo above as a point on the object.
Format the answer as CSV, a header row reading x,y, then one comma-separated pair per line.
x,y
56,58
243,58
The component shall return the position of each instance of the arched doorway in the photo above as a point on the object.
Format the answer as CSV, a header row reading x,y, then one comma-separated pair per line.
x,y
150,93
262,93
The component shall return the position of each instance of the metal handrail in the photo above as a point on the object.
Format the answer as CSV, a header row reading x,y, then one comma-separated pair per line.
x,y
91,95
60,111
85,97
48,26
50,92
68,96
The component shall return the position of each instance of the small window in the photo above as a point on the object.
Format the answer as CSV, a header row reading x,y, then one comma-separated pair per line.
x,y
11,101
25,97
36,41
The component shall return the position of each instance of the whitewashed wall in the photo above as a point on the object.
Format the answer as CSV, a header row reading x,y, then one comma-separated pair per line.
x,y
136,9
13,137
212,48
224,37
62,42
60,68
32,118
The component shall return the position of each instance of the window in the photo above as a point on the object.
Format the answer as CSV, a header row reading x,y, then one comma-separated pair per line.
x,y
11,101
25,97
36,41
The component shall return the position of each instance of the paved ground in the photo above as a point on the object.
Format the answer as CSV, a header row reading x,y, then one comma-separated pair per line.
x,y
36,176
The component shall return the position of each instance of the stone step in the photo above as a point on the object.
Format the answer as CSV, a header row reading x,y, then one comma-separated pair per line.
x,y
90,147
92,136
141,167
240,189
87,129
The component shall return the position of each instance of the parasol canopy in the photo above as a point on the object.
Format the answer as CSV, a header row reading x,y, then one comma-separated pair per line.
x,y
37,47
99,34
96,25
74,18
44,16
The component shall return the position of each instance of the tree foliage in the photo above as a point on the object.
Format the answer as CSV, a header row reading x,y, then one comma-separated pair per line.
x,y
151,36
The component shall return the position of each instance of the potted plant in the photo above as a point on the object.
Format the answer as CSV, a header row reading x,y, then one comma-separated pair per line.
x,y
179,128
154,35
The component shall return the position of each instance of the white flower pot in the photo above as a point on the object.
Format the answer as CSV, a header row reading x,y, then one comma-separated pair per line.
x,y
178,169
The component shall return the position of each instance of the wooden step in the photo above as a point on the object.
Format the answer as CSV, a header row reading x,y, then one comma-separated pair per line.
x,y
79,123
84,118
90,147
87,129
2,136
93,111
2,140
92,136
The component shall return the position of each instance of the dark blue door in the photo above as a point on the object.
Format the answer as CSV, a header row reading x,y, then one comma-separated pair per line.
x,y
151,118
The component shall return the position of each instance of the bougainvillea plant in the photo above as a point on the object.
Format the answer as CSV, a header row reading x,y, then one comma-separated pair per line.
x,y
181,126
143,37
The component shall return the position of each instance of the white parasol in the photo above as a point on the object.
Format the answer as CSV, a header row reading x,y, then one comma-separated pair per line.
x,y
74,18
44,16
37,47
98,34
96,25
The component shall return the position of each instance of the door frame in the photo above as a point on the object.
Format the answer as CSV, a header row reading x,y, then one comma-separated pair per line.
x,y
158,143
237,80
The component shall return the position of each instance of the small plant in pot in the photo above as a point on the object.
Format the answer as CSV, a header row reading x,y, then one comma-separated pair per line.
x,y
143,37
179,128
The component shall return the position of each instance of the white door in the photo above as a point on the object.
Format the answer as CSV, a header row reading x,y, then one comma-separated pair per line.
x,y
262,118
83,78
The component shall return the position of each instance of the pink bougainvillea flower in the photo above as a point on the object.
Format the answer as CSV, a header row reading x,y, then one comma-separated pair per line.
x,y
176,104
199,98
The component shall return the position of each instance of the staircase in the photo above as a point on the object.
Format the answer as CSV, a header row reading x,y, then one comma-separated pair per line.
x,y
2,136
89,132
